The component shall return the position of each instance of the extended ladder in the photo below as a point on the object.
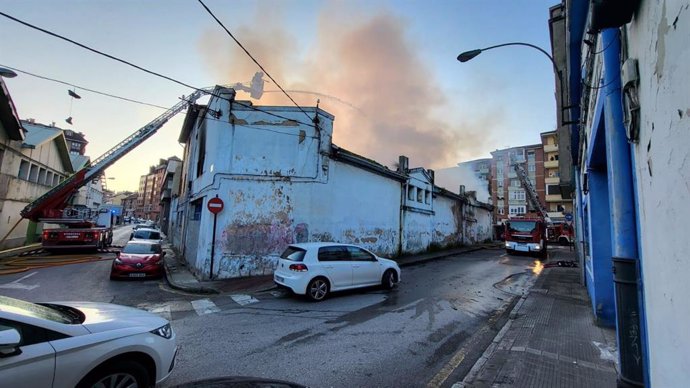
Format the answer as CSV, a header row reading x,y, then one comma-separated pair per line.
x,y
42,206
532,196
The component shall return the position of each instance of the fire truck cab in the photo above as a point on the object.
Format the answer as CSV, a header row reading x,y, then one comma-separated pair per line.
x,y
526,234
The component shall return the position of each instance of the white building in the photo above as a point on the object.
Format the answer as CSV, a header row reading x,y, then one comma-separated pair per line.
x,y
282,181
628,91
33,159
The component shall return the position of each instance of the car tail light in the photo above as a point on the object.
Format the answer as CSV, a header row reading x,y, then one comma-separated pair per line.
x,y
298,268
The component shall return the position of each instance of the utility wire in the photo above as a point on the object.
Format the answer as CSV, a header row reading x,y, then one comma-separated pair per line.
x,y
146,70
83,88
250,56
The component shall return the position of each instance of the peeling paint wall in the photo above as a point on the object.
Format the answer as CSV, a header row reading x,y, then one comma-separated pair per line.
x,y
280,186
658,39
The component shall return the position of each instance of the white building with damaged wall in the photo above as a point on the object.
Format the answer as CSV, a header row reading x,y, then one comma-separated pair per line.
x,y
282,181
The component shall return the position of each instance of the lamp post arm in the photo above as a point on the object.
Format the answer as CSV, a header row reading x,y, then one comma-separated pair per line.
x,y
553,63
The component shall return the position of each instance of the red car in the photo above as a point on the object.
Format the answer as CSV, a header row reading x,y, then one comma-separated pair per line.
x,y
138,259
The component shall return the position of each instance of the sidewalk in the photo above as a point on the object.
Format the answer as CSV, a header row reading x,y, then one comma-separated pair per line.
x,y
179,276
550,339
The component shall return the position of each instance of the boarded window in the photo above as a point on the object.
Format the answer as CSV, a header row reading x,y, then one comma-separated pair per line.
x,y
23,170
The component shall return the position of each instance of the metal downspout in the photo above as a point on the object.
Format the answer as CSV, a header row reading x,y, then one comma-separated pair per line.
x,y
623,221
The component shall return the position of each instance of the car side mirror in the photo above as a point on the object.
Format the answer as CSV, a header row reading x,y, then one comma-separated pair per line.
x,y
9,342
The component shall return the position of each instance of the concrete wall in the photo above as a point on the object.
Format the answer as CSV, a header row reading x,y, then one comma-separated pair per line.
x,y
658,38
281,184
16,193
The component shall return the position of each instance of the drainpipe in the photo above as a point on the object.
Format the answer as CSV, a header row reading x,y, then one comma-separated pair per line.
x,y
579,230
403,195
626,265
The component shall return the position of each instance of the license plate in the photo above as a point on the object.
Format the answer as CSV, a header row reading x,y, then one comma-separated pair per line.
x,y
137,275
521,248
280,278
71,236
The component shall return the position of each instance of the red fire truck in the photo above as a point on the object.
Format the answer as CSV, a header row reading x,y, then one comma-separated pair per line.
x,y
526,234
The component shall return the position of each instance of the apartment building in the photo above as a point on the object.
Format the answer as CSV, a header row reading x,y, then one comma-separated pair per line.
x,y
556,205
508,195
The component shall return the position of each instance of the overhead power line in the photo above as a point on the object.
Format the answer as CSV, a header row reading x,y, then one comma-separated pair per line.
x,y
82,88
250,56
53,34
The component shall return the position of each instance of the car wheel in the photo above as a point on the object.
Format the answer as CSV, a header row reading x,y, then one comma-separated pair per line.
x,y
389,279
120,374
317,289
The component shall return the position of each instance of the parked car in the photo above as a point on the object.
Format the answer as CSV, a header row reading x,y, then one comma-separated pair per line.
x,y
316,269
146,234
82,344
138,259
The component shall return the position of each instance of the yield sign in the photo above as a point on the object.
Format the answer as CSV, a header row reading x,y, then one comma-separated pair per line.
x,y
215,205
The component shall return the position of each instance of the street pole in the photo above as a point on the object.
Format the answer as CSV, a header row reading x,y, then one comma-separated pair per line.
x,y
213,243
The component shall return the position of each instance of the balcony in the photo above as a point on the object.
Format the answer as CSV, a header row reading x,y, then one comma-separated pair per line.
x,y
554,198
551,164
550,148
552,180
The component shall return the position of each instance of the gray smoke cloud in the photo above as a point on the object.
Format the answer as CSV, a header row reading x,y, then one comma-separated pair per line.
x,y
365,62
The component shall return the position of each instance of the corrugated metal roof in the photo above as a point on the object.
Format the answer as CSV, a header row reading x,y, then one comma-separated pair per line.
x,y
78,161
37,134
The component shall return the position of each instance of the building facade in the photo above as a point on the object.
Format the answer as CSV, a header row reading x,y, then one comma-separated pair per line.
x,y
629,134
33,159
283,181
508,193
556,206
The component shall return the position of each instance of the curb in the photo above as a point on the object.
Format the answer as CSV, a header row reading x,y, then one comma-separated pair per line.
x,y
190,289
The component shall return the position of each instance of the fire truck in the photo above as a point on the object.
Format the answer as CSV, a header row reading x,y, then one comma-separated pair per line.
x,y
529,232
560,232
73,228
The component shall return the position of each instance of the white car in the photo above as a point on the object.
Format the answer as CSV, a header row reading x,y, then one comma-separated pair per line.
x,y
82,344
146,234
316,269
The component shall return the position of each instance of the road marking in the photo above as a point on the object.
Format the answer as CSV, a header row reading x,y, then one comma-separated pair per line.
x,y
445,372
17,283
244,299
204,306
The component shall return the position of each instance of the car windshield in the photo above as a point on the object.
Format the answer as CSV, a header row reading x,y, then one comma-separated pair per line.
x,y
147,235
293,254
141,248
522,226
34,310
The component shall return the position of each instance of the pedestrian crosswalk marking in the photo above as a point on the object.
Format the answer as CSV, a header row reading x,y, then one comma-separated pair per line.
x,y
204,306
243,299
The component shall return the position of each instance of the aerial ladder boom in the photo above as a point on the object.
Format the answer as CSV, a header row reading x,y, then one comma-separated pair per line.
x,y
529,189
51,204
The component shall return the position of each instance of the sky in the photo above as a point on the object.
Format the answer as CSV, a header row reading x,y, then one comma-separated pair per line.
x,y
387,70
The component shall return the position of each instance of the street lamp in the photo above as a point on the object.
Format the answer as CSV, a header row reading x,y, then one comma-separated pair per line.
x,y
468,55
7,73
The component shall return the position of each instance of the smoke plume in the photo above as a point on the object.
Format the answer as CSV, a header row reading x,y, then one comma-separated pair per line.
x,y
385,99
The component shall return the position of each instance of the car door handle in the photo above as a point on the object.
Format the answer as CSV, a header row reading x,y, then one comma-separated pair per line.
x,y
355,266
328,267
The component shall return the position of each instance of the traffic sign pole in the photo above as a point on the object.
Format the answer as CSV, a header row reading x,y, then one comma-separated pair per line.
x,y
215,206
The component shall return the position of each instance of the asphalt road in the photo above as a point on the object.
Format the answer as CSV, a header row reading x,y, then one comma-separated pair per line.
x,y
422,332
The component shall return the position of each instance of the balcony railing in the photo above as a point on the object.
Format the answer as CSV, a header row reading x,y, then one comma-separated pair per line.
x,y
550,147
551,164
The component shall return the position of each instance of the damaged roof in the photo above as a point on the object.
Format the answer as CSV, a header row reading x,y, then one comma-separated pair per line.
x,y
350,157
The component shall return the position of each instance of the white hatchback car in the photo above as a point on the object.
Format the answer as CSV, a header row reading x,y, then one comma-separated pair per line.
x,y
315,269
82,344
